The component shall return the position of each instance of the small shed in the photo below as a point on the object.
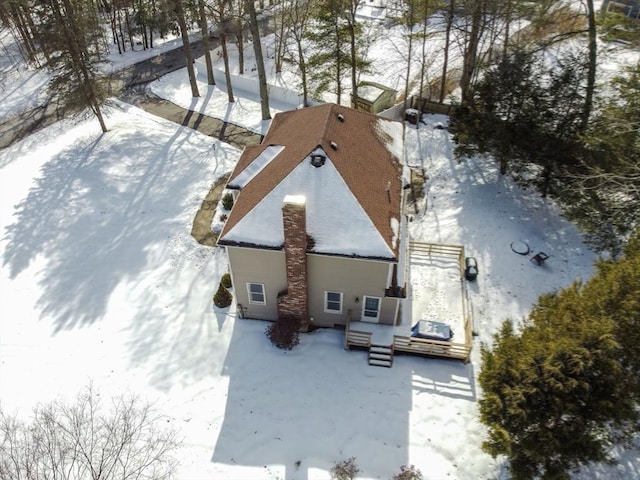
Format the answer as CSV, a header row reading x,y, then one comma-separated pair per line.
x,y
373,97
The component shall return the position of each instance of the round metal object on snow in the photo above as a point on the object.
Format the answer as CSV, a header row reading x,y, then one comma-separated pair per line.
x,y
520,248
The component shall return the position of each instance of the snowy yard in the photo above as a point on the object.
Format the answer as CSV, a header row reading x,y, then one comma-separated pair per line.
x,y
101,281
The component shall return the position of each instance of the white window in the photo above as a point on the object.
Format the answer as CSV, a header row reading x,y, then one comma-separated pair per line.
x,y
256,293
371,308
333,302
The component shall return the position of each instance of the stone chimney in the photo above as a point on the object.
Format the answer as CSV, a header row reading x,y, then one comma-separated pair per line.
x,y
294,301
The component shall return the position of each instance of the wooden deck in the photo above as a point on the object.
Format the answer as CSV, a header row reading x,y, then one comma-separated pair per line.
x,y
398,339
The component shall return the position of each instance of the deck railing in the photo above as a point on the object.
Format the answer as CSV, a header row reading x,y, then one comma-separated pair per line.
x,y
421,346
439,249
358,338
355,338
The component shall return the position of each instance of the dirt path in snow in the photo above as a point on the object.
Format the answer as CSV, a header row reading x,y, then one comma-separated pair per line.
x,y
201,229
227,132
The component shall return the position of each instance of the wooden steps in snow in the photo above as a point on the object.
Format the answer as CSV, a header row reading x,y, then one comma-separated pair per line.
x,y
381,355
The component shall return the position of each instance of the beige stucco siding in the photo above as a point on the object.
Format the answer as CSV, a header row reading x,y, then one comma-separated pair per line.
x,y
353,278
257,266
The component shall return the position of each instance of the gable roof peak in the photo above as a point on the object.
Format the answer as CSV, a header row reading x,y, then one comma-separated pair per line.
x,y
364,150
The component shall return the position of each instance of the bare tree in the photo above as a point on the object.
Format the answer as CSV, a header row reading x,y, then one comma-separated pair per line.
x,y
228,25
474,11
84,440
298,17
282,22
18,17
262,75
204,29
239,15
351,6
178,10
449,17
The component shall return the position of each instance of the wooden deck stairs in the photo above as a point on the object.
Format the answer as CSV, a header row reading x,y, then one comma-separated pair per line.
x,y
381,355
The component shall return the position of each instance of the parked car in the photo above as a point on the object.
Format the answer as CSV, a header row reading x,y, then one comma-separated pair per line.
x,y
470,268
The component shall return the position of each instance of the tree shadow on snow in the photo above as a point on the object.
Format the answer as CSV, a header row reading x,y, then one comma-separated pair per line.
x,y
99,211
311,407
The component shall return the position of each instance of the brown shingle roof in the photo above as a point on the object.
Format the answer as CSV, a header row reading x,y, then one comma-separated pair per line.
x,y
367,166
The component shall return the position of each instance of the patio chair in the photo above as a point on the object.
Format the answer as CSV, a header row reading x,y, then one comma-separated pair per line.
x,y
539,258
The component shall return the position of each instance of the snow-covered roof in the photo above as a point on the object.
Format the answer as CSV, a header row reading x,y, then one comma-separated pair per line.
x,y
352,198
369,92
262,160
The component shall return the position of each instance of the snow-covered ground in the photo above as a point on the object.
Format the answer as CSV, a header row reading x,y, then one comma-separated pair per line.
x,y
101,281
24,87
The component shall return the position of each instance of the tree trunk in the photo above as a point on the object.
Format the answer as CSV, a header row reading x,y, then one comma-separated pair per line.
x,y
227,73
179,11
507,27
19,22
303,73
338,64
447,39
98,113
76,45
154,13
262,75
409,54
240,40
128,24
424,48
470,59
280,39
121,32
354,84
204,29
591,68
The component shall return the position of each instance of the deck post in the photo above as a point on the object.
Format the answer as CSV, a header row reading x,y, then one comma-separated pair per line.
x,y
346,331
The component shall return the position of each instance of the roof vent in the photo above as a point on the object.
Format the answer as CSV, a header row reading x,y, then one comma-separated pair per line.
x,y
317,160
341,117
334,145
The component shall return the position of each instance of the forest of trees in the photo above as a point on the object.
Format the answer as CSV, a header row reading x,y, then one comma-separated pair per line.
x,y
560,389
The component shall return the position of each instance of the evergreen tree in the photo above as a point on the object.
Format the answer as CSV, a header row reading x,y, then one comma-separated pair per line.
x,y
329,63
71,38
222,297
524,112
339,46
604,199
226,280
614,295
565,388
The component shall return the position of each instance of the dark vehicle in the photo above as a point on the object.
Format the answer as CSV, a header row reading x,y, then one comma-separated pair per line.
x,y
470,268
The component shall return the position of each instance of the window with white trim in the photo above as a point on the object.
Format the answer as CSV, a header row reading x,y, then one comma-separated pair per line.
x,y
371,307
256,293
333,302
